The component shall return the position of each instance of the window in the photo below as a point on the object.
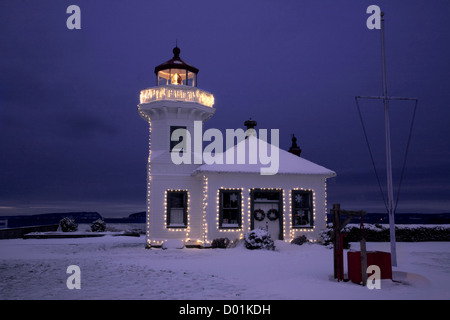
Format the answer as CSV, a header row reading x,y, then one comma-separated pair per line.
x,y
302,209
177,209
230,208
180,144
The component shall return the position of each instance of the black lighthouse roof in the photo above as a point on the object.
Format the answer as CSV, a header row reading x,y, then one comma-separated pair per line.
x,y
176,63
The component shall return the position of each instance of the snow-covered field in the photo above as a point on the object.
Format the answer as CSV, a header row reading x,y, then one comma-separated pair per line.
x,y
120,268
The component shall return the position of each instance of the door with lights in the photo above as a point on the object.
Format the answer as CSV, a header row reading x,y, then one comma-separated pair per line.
x,y
267,211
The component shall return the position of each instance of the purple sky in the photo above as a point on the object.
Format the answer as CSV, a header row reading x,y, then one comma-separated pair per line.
x,y
71,139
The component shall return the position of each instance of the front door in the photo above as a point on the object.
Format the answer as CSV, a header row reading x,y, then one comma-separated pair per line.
x,y
267,211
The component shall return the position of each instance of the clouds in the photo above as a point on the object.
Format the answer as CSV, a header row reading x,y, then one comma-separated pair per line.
x,y
68,122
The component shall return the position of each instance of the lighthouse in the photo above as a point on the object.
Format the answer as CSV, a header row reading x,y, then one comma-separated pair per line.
x,y
171,107
211,197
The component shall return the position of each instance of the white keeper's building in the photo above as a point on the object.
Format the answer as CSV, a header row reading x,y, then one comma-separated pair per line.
x,y
202,201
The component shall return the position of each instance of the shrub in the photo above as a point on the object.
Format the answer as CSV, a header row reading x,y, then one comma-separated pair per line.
x,y
220,243
98,226
68,224
326,238
380,233
299,240
325,235
259,239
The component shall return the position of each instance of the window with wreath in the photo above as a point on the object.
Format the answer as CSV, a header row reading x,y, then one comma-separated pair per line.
x,y
230,208
302,209
177,209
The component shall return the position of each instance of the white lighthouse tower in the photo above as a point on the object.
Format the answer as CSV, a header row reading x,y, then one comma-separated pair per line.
x,y
174,103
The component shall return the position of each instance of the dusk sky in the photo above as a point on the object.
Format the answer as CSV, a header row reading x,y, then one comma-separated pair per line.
x,y
71,138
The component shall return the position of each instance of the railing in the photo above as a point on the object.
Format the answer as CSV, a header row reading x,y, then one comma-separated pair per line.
x,y
177,93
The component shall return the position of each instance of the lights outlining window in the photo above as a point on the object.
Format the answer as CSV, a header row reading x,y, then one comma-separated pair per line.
x,y
177,207
231,219
177,93
302,209
230,208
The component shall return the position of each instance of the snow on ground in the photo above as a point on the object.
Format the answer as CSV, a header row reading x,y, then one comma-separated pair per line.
x,y
121,268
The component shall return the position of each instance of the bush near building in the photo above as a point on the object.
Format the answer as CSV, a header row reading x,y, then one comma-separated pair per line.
x,y
380,233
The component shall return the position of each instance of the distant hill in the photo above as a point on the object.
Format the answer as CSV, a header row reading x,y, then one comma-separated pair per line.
x,y
138,217
49,218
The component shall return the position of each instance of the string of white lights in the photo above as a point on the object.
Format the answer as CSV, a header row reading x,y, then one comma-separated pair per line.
x,y
293,229
149,176
230,230
178,93
205,205
186,229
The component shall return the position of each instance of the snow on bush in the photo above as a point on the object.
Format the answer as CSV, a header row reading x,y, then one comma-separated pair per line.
x,y
326,238
259,239
98,226
68,224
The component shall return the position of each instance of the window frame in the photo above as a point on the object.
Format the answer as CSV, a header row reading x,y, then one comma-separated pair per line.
x,y
169,207
281,193
309,207
238,208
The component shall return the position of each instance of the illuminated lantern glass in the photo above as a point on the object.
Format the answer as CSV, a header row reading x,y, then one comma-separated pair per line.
x,y
176,79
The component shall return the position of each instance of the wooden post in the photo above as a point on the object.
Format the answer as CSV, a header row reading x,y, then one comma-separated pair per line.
x,y
363,250
340,258
336,237
363,261
338,240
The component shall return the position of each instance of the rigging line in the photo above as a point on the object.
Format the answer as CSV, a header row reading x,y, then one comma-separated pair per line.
x,y
406,155
370,152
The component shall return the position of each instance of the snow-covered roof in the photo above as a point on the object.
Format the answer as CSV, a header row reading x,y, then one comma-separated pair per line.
x,y
288,163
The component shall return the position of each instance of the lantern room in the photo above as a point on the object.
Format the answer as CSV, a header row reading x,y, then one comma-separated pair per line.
x,y
176,72
176,80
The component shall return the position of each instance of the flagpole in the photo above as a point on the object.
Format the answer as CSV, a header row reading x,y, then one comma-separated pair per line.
x,y
390,190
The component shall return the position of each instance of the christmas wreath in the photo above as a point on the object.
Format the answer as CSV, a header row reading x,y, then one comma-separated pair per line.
x,y
259,214
272,214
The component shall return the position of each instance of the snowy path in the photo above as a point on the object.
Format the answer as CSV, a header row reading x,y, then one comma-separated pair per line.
x,y
120,268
